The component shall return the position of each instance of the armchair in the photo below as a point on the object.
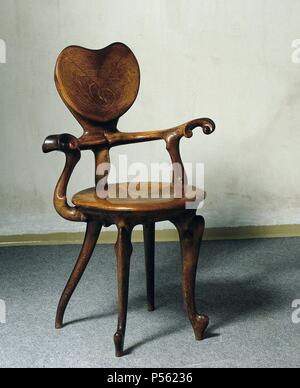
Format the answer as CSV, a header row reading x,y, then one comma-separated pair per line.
x,y
98,87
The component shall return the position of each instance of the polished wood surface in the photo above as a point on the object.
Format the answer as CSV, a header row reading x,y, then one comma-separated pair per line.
x,y
151,198
99,86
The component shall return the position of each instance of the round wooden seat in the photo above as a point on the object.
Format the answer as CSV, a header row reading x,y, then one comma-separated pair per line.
x,y
138,197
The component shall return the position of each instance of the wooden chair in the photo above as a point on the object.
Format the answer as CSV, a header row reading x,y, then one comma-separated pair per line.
x,y
98,87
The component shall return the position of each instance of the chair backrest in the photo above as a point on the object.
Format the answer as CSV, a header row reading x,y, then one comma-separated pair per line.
x,y
98,86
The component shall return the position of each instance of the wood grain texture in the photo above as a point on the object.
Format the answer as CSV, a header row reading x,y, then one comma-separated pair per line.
x,y
98,87
152,197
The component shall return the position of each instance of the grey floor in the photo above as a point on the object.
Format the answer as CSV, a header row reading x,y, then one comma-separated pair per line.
x,y
247,288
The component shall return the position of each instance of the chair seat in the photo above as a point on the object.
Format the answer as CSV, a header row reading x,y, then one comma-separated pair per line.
x,y
148,197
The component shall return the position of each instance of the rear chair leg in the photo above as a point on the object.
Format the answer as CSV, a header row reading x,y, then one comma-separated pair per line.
x,y
149,241
92,233
123,250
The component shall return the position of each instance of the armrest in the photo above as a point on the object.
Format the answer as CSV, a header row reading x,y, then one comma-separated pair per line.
x,y
184,130
64,143
172,138
67,144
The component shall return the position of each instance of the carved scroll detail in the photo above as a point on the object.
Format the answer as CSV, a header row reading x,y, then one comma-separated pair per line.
x,y
172,138
67,144
207,125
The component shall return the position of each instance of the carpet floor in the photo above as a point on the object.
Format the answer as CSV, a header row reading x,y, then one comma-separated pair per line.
x,y
246,287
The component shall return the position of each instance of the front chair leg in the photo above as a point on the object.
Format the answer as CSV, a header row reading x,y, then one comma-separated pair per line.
x,y
91,237
191,230
123,250
149,242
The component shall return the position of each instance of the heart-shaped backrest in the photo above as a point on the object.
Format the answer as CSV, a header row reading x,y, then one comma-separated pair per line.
x,y
98,85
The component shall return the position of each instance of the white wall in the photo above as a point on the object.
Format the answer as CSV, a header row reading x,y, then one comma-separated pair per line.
x,y
226,59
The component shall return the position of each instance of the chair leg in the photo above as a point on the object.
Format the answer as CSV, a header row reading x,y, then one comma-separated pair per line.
x,y
191,232
123,250
149,241
91,237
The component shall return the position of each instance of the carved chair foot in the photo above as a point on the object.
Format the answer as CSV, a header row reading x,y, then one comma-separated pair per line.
x,y
119,343
59,324
200,324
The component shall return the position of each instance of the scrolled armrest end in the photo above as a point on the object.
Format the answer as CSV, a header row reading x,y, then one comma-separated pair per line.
x,y
64,143
207,125
69,145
